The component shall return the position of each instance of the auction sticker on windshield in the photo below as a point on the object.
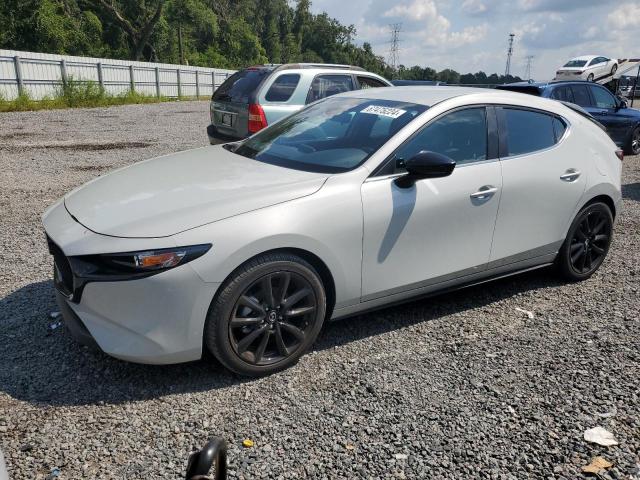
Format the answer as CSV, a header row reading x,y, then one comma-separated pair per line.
x,y
384,111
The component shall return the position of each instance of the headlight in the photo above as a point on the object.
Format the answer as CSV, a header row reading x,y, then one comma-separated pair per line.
x,y
129,265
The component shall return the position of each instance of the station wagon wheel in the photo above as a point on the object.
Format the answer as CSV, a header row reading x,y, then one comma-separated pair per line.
x,y
271,318
587,243
266,315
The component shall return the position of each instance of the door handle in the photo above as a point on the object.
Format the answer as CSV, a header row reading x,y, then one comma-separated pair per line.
x,y
570,175
484,192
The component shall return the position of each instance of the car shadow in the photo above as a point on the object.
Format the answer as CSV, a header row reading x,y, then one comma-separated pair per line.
x,y
631,191
42,364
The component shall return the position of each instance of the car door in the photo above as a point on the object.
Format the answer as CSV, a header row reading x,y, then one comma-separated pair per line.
x,y
439,228
543,180
605,110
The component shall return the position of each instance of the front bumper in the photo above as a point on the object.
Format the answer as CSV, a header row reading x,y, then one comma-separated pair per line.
x,y
156,320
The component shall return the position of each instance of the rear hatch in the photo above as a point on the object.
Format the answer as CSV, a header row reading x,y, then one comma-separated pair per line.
x,y
230,102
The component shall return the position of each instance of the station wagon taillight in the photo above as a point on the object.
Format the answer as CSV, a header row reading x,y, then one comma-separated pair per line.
x,y
257,119
620,154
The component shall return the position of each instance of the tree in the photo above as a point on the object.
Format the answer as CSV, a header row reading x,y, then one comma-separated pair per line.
x,y
137,20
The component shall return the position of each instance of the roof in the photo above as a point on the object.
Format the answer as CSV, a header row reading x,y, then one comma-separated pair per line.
x,y
586,57
423,94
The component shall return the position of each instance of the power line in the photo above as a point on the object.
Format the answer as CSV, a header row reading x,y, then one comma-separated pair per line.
x,y
507,70
394,48
527,74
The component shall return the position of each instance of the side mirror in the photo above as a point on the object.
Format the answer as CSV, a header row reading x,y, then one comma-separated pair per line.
x,y
425,164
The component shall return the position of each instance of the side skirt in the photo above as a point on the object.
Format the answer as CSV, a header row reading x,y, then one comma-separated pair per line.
x,y
444,287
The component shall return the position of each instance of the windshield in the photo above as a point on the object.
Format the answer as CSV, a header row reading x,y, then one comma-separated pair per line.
x,y
239,86
331,136
575,63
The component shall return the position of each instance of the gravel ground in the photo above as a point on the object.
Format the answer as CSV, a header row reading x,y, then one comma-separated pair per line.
x,y
458,386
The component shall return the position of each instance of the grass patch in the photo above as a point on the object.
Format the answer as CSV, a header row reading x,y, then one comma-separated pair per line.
x,y
75,94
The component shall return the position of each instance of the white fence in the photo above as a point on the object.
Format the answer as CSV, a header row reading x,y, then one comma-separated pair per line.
x,y
42,74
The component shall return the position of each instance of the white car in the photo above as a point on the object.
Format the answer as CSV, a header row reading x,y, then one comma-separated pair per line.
x,y
358,201
588,67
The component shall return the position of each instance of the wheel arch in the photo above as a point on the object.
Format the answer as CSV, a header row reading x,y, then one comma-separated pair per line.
x,y
326,276
606,199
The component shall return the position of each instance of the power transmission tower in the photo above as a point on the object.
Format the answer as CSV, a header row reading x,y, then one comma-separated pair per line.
x,y
507,70
395,41
527,75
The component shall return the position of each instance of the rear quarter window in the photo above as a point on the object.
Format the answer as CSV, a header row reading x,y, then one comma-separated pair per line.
x,y
282,88
528,131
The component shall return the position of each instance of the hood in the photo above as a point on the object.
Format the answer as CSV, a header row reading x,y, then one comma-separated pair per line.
x,y
170,194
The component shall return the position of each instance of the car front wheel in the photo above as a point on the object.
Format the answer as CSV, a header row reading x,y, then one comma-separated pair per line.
x,y
614,69
590,77
587,242
267,314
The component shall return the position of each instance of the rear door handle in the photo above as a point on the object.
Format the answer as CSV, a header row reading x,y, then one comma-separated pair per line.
x,y
570,175
484,192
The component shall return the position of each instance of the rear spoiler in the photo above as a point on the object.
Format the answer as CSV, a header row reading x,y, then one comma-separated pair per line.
x,y
581,111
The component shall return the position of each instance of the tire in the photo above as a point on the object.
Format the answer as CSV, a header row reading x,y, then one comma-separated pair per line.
x,y
633,145
587,242
590,77
614,69
244,313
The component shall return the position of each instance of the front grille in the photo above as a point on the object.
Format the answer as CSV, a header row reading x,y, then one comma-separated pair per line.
x,y
63,276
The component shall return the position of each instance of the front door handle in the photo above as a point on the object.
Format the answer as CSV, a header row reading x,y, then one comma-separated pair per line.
x,y
570,175
485,192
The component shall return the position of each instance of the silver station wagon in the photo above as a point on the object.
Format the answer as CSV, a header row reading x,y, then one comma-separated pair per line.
x,y
258,96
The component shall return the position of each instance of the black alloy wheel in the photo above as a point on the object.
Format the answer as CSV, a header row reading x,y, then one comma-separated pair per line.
x,y
587,243
266,314
272,318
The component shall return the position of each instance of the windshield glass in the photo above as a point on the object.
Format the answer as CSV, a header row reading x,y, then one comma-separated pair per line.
x,y
575,63
331,136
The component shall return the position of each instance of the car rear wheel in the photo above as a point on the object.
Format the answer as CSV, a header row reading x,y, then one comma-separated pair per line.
x,y
614,69
587,242
633,148
590,77
268,313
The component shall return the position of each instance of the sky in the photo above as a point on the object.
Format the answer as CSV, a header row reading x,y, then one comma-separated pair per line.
x,y
472,35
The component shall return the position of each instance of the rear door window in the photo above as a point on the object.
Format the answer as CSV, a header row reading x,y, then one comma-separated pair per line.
x,y
282,88
528,131
581,95
326,85
239,86
369,82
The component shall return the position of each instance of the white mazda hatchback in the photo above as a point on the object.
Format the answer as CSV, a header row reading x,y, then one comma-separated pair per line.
x,y
357,201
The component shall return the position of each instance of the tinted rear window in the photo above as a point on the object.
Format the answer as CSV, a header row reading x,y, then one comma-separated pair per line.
x,y
282,88
581,95
239,86
575,63
528,131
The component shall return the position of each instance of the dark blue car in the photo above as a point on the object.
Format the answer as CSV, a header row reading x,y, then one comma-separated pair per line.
x,y
622,123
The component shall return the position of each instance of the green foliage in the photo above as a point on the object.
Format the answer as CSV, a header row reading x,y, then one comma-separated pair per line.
x,y
76,94
212,33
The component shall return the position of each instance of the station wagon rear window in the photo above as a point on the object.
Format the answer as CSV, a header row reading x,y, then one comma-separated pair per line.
x,y
239,86
332,136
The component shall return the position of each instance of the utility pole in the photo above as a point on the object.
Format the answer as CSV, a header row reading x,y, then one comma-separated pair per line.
x,y
395,41
507,70
527,75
